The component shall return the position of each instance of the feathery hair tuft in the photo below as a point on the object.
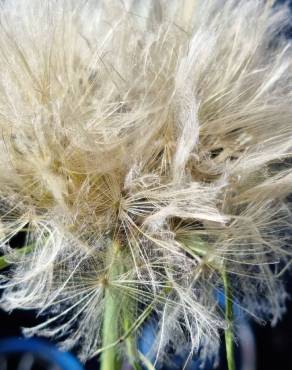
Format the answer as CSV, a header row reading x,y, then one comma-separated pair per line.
x,y
145,149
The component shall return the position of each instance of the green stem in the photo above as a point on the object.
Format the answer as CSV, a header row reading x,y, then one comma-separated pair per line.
x,y
131,345
148,365
20,252
200,248
109,359
229,340
136,324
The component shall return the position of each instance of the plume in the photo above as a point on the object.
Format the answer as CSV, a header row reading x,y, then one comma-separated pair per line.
x,y
145,152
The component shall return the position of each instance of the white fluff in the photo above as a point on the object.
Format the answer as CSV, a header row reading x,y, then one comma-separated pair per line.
x,y
163,125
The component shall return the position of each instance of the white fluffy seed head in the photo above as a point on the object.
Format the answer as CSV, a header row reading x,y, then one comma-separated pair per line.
x,y
163,125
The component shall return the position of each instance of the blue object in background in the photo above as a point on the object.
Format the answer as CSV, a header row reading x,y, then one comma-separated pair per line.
x,y
37,354
177,360
245,350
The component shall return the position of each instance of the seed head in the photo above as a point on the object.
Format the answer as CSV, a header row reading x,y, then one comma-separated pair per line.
x,y
145,149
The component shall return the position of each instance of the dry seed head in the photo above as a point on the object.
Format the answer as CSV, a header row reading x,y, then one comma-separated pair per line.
x,y
164,126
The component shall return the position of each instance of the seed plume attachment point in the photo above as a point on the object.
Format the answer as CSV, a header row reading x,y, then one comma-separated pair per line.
x,y
146,161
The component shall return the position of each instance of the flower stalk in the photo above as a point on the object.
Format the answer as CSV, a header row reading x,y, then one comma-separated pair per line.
x,y
132,351
228,333
109,358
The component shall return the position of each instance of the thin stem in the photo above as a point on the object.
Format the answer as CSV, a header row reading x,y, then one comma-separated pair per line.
x,y
20,252
131,345
146,362
199,248
109,359
229,340
136,324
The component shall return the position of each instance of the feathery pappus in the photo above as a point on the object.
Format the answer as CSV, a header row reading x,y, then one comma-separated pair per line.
x,y
146,153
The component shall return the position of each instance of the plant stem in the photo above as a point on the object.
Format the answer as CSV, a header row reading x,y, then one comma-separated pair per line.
x,y
131,345
20,252
198,247
229,340
109,359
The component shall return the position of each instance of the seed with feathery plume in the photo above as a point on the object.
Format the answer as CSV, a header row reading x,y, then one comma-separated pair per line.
x,y
146,154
